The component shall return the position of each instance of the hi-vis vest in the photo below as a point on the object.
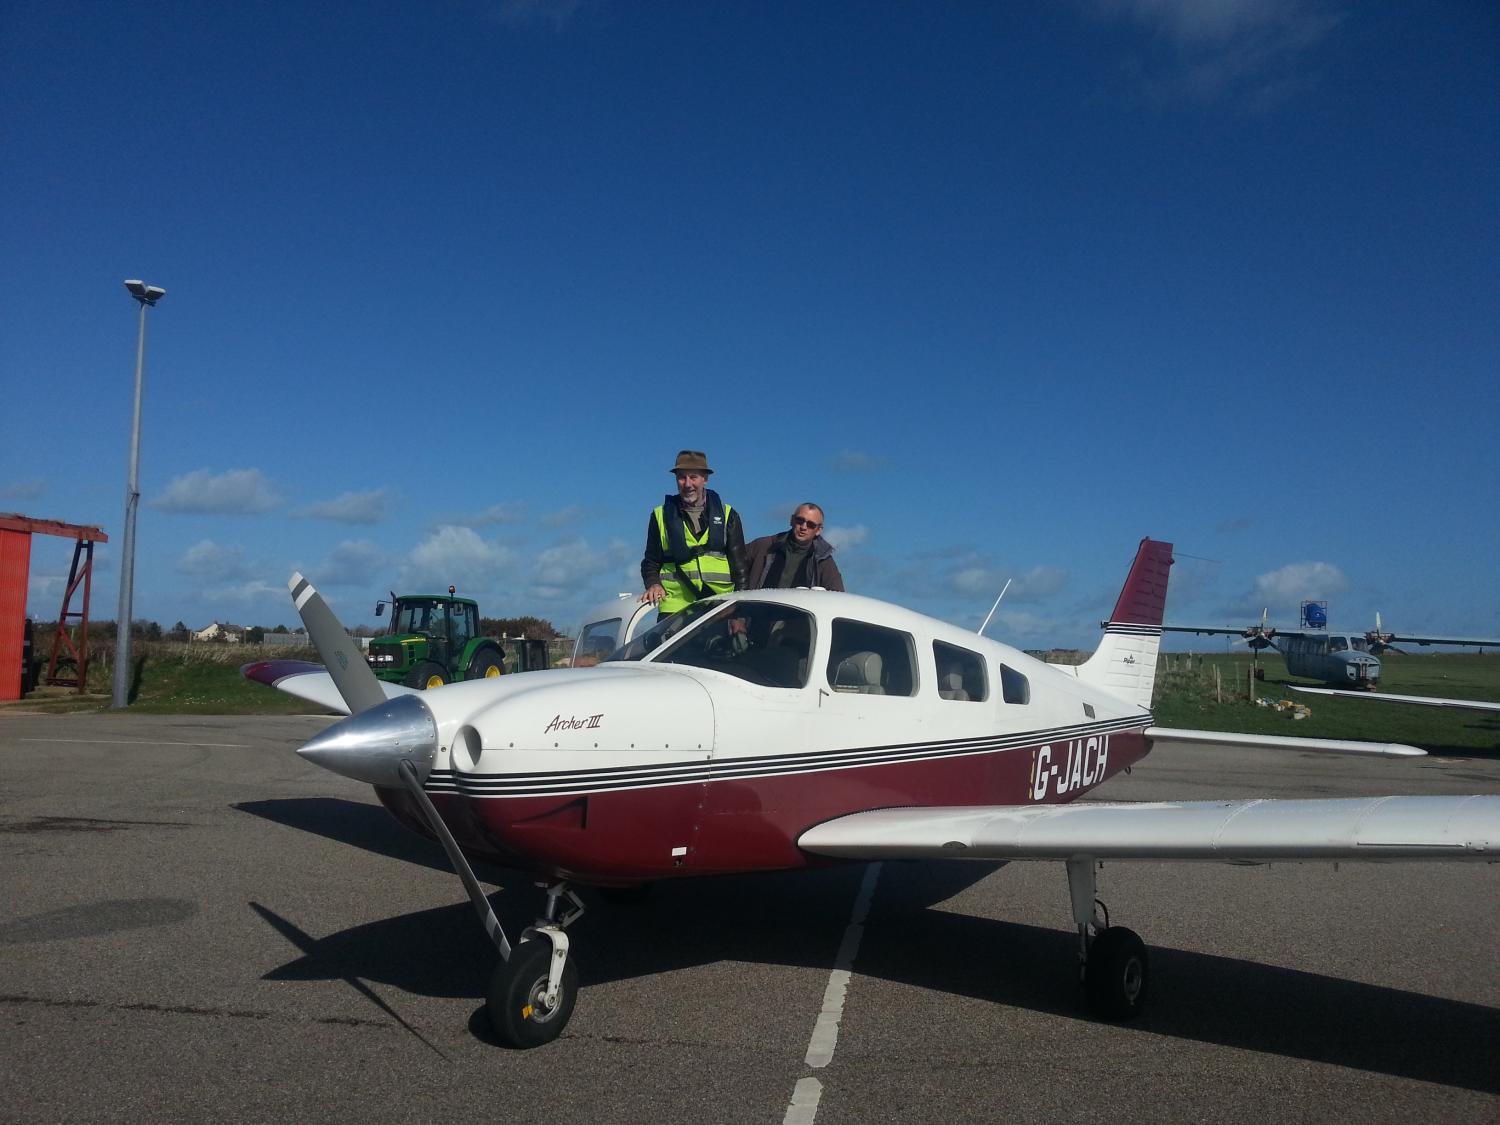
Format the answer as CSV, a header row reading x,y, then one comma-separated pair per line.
x,y
693,568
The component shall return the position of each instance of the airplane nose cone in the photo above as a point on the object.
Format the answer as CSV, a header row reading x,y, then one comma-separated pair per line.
x,y
371,746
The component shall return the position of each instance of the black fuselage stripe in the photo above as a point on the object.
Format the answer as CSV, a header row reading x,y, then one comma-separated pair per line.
x,y
649,775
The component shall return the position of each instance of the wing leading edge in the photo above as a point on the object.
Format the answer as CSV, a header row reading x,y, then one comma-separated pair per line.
x,y
1161,737
1254,831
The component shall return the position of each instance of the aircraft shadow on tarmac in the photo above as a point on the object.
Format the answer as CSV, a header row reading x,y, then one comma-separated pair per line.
x,y
800,920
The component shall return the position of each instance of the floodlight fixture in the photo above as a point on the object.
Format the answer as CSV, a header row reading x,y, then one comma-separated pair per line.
x,y
145,294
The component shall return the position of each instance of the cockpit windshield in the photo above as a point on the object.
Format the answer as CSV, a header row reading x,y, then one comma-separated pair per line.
x,y
664,630
761,642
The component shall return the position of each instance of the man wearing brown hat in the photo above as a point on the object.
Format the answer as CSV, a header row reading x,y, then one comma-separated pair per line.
x,y
695,545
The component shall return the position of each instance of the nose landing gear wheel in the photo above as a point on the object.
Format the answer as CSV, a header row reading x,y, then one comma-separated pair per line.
x,y
1115,975
516,1005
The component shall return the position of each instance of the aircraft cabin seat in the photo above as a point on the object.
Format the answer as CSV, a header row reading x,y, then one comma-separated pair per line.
x,y
951,686
860,673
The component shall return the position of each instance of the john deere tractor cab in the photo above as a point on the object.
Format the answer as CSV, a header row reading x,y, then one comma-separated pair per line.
x,y
434,640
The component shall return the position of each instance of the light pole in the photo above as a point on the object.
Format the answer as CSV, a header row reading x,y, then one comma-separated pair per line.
x,y
146,295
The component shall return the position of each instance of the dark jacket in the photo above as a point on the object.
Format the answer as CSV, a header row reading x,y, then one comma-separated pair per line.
x,y
734,547
819,569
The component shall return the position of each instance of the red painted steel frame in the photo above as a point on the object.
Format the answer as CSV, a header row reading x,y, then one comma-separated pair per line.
x,y
15,563
63,639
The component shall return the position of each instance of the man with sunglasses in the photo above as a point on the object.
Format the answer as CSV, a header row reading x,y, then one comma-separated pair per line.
x,y
799,556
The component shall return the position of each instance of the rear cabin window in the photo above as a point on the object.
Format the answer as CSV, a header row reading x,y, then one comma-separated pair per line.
x,y
1014,687
867,659
960,673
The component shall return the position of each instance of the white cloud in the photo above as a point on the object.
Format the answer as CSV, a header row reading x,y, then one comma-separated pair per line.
x,y
1253,50
208,560
523,13
242,594
569,563
1301,580
351,507
844,538
1282,591
236,492
563,516
854,461
355,562
1037,584
24,489
458,556
509,512
975,581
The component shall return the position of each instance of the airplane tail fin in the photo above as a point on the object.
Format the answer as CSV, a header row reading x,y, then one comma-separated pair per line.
x,y
1125,661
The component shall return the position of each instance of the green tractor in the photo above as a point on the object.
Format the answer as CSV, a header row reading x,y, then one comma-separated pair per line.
x,y
434,640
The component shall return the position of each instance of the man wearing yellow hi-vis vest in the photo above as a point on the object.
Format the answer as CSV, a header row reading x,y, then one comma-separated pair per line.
x,y
695,544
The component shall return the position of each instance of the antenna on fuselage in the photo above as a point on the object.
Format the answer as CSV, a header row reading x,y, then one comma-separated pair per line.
x,y
994,607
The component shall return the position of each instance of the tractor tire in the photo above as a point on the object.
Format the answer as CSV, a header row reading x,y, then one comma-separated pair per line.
x,y
426,675
485,665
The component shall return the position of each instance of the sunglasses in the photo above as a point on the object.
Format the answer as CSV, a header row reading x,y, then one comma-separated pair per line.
x,y
799,521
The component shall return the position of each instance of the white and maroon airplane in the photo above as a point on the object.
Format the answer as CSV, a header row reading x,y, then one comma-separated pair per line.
x,y
782,729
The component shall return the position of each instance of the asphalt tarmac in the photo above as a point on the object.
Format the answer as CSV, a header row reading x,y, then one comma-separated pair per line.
x,y
196,923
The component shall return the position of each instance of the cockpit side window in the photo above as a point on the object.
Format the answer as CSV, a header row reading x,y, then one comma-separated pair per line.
x,y
1337,644
760,642
596,642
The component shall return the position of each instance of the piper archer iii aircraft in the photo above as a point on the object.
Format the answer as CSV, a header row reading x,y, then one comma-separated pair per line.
x,y
778,729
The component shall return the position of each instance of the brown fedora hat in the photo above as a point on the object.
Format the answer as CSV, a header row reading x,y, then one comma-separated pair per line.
x,y
691,461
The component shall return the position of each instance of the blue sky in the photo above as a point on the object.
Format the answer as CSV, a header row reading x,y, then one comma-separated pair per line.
x,y
1003,287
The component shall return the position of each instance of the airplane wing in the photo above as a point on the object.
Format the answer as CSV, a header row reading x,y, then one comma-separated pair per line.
x,y
1421,700
309,681
1474,642
1270,632
1167,736
1255,831
1226,630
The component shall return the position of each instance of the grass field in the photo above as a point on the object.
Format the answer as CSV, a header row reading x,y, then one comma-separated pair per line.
x,y
205,679
178,679
1186,696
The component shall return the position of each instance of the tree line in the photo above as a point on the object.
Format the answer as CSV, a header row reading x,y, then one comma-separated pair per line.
x,y
141,629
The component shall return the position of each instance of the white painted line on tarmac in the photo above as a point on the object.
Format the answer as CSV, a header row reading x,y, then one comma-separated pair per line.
x,y
803,1109
121,742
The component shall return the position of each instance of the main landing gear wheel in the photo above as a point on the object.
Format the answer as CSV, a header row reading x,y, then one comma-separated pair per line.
x,y
1115,974
517,999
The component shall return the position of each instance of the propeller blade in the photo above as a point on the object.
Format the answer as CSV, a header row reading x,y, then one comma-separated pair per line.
x,y
341,654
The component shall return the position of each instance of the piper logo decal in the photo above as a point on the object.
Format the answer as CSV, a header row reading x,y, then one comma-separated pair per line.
x,y
588,722
1081,764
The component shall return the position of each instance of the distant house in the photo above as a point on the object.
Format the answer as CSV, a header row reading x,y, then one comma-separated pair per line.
x,y
221,631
